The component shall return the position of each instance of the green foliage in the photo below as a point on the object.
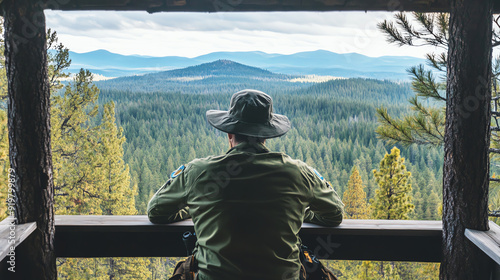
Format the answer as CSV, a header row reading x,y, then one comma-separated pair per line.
x,y
425,125
393,198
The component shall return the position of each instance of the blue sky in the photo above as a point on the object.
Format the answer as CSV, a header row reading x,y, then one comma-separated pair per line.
x,y
193,34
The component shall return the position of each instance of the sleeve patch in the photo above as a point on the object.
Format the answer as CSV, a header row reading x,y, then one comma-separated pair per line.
x,y
317,174
177,172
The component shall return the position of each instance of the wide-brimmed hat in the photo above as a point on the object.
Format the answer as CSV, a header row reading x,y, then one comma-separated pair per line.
x,y
251,114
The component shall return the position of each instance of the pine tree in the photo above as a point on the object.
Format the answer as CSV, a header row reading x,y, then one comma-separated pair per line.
x,y
89,173
355,197
393,198
73,141
117,194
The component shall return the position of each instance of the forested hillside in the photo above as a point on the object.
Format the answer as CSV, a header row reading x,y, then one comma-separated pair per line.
x,y
217,76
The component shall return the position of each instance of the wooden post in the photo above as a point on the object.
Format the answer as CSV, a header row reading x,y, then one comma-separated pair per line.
x,y
466,162
29,135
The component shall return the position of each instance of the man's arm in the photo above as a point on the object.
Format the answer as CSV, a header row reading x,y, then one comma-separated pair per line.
x,y
326,207
168,204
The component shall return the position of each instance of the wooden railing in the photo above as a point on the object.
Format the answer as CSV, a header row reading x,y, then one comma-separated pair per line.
x,y
135,236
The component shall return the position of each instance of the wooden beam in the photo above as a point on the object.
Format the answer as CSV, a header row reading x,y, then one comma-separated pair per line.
x,y
29,135
466,147
104,236
152,6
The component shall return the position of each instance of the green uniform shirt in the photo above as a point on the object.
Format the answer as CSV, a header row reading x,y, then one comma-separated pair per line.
x,y
247,208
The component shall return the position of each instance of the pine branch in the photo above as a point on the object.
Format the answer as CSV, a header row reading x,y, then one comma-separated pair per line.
x,y
438,121
424,84
432,38
392,34
397,131
437,62
425,128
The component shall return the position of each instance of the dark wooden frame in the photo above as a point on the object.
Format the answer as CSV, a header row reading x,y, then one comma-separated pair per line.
x,y
465,179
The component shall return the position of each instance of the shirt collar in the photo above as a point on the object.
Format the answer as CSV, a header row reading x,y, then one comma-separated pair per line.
x,y
256,148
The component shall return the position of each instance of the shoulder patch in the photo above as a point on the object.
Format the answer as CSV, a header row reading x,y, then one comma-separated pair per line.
x,y
177,172
317,174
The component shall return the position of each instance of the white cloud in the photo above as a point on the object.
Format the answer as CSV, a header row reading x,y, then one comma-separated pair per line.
x,y
193,34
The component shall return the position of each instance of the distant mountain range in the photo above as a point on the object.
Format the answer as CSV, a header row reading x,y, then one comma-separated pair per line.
x,y
318,62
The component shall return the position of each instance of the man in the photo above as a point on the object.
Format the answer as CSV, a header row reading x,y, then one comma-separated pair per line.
x,y
248,205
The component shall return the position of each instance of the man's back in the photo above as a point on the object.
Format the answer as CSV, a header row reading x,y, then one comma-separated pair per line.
x,y
247,207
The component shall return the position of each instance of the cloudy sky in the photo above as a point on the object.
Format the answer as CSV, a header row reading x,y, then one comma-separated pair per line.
x,y
193,34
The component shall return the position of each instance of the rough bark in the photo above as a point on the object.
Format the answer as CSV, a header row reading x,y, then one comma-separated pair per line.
x,y
466,164
29,135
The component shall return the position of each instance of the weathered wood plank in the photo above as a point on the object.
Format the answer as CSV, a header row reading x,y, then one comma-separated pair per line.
x,y
105,236
488,241
141,223
18,232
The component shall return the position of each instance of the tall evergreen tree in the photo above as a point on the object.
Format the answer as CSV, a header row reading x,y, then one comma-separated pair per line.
x,y
354,198
117,193
393,197
392,202
73,142
90,176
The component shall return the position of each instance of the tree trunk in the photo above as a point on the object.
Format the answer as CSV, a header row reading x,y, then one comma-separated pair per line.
x,y
466,162
29,135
